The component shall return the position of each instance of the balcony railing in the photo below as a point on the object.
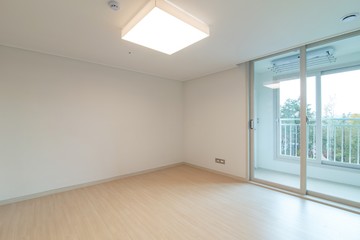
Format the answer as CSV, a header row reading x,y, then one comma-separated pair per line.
x,y
340,139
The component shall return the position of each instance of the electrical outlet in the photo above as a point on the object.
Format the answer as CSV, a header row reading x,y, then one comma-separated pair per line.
x,y
220,161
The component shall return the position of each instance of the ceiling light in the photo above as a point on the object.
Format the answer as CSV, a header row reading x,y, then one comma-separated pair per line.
x,y
349,17
272,85
164,27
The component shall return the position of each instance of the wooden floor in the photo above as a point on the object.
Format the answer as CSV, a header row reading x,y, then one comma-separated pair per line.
x,y
176,203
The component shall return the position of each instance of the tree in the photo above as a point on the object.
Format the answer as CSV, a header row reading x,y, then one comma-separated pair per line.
x,y
290,136
339,136
291,109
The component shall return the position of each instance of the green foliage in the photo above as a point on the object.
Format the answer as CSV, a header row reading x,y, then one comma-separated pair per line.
x,y
291,109
340,140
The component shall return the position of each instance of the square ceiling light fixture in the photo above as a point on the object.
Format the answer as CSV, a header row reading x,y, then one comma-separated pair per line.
x,y
164,27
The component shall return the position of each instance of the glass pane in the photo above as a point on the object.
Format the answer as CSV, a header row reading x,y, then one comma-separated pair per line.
x,y
277,120
289,127
335,170
311,117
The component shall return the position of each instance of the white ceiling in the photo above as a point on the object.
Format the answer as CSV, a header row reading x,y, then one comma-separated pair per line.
x,y
240,30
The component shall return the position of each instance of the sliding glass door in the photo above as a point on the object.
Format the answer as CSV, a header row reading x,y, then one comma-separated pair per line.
x,y
305,121
276,120
334,130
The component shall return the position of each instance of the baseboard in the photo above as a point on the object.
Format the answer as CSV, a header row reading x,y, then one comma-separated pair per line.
x,y
216,172
77,186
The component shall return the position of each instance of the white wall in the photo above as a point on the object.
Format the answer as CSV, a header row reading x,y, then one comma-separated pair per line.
x,y
65,122
216,121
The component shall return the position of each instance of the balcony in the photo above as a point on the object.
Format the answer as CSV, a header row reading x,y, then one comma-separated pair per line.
x,y
339,145
285,89
333,170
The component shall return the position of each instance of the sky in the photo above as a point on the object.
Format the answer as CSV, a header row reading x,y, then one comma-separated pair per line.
x,y
343,88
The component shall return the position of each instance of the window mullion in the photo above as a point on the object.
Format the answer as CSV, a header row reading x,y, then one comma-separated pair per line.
x,y
318,119
303,124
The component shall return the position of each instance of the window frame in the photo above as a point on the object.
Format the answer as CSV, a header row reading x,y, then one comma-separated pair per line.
x,y
318,160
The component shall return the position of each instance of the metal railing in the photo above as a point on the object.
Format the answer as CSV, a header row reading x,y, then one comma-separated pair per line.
x,y
340,139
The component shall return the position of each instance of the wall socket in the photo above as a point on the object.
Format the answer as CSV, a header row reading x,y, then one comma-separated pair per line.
x,y
220,161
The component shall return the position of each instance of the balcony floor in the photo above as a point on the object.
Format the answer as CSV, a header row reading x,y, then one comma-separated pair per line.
x,y
345,191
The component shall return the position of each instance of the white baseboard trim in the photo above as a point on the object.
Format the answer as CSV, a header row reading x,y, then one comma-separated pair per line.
x,y
216,172
76,186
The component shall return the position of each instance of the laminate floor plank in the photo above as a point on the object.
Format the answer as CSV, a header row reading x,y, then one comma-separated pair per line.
x,y
176,203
